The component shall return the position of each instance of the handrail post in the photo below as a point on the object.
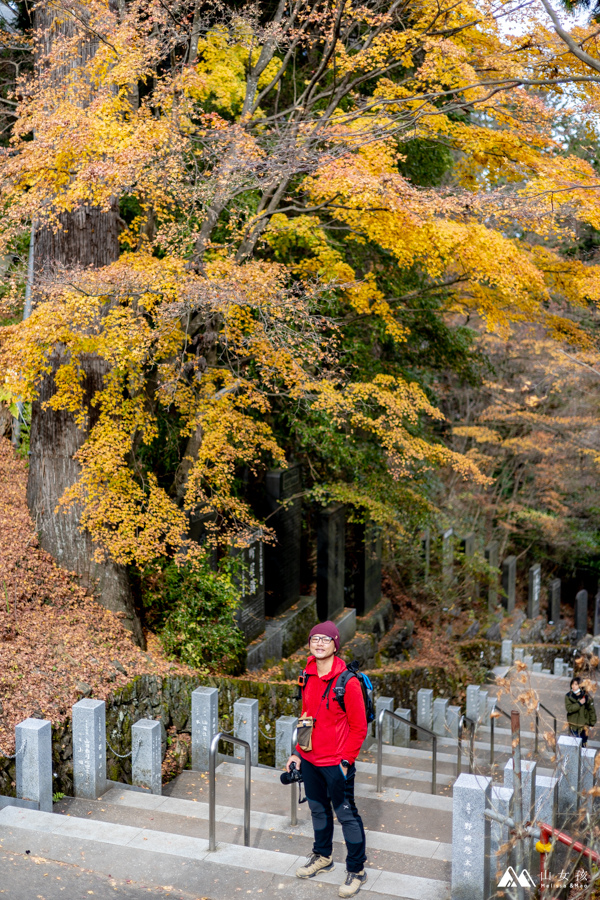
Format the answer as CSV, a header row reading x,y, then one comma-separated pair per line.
x,y
294,784
492,720
537,728
247,791
472,749
380,750
554,720
459,757
212,791
212,786
515,728
433,764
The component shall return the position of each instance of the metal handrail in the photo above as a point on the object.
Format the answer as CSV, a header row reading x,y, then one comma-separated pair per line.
x,y
492,720
212,786
465,720
294,784
537,722
393,715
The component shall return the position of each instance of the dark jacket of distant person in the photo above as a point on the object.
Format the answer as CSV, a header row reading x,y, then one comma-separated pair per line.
x,y
580,715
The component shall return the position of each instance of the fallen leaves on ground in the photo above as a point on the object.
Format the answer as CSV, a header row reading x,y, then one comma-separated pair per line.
x,y
57,643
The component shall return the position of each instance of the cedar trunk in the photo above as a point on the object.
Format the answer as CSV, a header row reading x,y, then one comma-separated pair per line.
x,y
88,237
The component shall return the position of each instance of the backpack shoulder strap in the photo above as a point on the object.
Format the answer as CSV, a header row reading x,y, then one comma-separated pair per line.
x,y
302,680
339,690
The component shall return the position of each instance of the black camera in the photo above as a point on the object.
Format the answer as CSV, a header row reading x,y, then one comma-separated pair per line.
x,y
293,775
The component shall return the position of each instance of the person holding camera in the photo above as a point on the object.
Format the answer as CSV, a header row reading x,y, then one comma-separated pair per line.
x,y
581,713
330,735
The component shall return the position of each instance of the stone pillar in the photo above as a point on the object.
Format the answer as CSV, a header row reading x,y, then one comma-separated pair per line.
x,y
452,720
491,554
367,581
388,724
569,751
424,709
528,660
554,601
473,702
89,748
586,776
245,726
501,803
597,614
536,667
518,654
284,729
401,729
483,707
533,599
330,562
468,545
546,800
146,755
506,653
509,582
440,711
471,796
581,613
447,556
426,552
205,724
250,615
282,559
33,739
559,665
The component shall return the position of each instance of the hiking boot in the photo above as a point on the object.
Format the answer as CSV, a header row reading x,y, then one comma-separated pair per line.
x,y
353,883
314,865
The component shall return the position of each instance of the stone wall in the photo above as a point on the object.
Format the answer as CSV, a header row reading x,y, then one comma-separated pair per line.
x,y
150,696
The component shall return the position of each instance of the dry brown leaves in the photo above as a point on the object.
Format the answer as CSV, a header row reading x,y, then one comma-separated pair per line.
x,y
55,640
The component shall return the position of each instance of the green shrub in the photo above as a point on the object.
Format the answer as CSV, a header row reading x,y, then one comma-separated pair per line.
x,y
197,607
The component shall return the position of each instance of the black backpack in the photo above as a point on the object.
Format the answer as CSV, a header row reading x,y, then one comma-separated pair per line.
x,y
339,690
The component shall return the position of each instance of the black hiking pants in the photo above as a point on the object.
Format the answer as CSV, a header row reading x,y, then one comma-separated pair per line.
x,y
325,788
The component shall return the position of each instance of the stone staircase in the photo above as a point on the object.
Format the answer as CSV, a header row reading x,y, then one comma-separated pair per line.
x,y
161,840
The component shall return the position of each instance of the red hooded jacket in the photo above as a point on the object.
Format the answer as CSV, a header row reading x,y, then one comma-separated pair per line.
x,y
336,734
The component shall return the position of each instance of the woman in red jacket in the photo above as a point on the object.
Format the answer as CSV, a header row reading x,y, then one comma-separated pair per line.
x,y
328,766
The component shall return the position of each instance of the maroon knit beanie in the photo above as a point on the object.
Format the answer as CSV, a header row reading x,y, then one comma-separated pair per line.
x,y
328,629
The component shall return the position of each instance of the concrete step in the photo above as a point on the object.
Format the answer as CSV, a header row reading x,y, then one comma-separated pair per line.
x,y
398,779
269,830
501,745
378,817
184,862
449,760
270,795
412,758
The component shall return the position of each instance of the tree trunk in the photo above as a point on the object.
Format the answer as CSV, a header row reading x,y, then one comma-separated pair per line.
x,y
55,439
88,237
